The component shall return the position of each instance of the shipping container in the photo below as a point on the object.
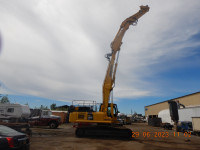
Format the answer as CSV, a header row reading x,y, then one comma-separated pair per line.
x,y
196,124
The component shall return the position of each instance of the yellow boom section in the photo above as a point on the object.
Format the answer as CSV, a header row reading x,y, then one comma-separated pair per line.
x,y
115,46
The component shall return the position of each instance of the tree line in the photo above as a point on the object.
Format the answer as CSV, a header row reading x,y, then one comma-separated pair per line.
x,y
4,99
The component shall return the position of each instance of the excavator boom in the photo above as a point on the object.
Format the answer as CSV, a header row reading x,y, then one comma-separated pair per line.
x,y
115,46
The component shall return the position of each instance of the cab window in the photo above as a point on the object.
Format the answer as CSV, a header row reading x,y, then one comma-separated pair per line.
x,y
10,110
109,111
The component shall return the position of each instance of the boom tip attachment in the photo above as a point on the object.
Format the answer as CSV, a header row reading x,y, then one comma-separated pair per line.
x,y
145,8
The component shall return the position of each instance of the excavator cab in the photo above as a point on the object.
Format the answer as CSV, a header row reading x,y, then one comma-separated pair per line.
x,y
112,112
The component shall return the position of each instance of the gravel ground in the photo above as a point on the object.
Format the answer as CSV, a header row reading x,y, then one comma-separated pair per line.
x,y
145,137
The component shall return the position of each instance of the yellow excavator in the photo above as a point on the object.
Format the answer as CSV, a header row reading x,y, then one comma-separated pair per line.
x,y
104,122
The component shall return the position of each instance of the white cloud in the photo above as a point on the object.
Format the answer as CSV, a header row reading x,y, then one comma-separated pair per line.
x,y
55,49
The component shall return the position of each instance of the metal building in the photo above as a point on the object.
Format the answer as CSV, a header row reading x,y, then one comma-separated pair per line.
x,y
187,100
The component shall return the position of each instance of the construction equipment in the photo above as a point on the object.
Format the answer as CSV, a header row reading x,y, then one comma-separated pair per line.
x,y
104,122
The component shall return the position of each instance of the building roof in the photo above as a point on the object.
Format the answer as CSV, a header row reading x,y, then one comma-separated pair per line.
x,y
173,99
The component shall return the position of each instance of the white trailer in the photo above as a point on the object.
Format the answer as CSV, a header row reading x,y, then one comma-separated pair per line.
x,y
186,114
14,111
165,116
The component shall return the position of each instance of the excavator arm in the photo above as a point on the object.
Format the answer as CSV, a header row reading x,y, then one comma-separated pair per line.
x,y
109,80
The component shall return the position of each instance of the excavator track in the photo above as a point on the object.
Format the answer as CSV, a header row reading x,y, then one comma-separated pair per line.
x,y
111,132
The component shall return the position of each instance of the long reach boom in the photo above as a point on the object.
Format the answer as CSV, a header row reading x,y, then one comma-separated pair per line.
x,y
109,80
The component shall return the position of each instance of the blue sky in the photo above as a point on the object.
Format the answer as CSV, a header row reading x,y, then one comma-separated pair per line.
x,y
53,51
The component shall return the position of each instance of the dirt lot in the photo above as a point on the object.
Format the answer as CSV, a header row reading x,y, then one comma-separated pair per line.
x,y
146,137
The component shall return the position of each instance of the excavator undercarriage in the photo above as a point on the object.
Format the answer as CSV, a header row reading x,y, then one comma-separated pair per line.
x,y
102,130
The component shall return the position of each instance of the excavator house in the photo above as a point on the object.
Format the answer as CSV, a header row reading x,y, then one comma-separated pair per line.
x,y
104,122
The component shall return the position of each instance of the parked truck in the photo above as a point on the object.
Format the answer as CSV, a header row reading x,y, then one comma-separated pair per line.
x,y
40,117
